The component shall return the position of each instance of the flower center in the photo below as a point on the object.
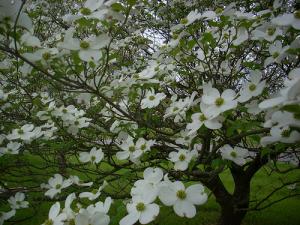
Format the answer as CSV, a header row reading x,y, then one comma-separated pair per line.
x,y
131,149
275,55
151,97
271,31
233,154
202,118
94,191
143,147
184,21
85,11
46,55
182,157
140,207
175,109
58,186
76,122
93,158
181,194
297,14
84,44
252,87
219,101
286,133
64,111
20,131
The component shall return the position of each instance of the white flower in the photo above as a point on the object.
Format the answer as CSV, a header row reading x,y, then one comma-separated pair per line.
x,y
281,134
214,103
282,118
140,210
86,217
94,194
242,35
253,108
236,154
288,19
24,133
6,215
252,88
182,158
277,53
148,188
183,200
89,48
268,32
129,150
198,119
151,99
56,184
11,148
94,156
185,138
75,179
144,145
192,17
290,94
55,217
17,201
70,214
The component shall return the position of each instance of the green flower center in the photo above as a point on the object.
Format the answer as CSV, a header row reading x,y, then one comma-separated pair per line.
x,y
140,207
252,87
271,31
182,157
175,109
202,118
85,11
84,44
286,133
184,21
94,191
46,55
151,98
181,194
72,222
219,101
64,111
20,131
58,186
297,14
93,158
233,154
76,122
143,147
275,55
131,148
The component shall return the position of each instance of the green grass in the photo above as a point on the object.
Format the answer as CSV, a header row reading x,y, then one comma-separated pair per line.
x,y
283,213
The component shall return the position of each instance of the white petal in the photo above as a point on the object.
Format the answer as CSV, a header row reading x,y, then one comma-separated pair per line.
x,y
195,194
151,211
185,209
54,210
130,219
167,196
122,155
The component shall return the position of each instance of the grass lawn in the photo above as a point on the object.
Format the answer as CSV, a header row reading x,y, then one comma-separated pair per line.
x,y
283,213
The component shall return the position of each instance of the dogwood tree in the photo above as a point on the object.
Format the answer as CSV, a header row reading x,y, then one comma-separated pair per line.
x,y
147,102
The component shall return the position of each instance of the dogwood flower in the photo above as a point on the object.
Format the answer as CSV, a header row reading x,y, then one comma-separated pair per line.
x,y
198,119
94,194
17,201
185,138
75,179
6,215
24,133
129,150
94,156
140,210
182,158
148,188
288,19
277,52
56,184
70,214
86,217
252,88
89,48
214,103
55,217
281,134
151,99
182,199
236,154
144,145
267,31
11,148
